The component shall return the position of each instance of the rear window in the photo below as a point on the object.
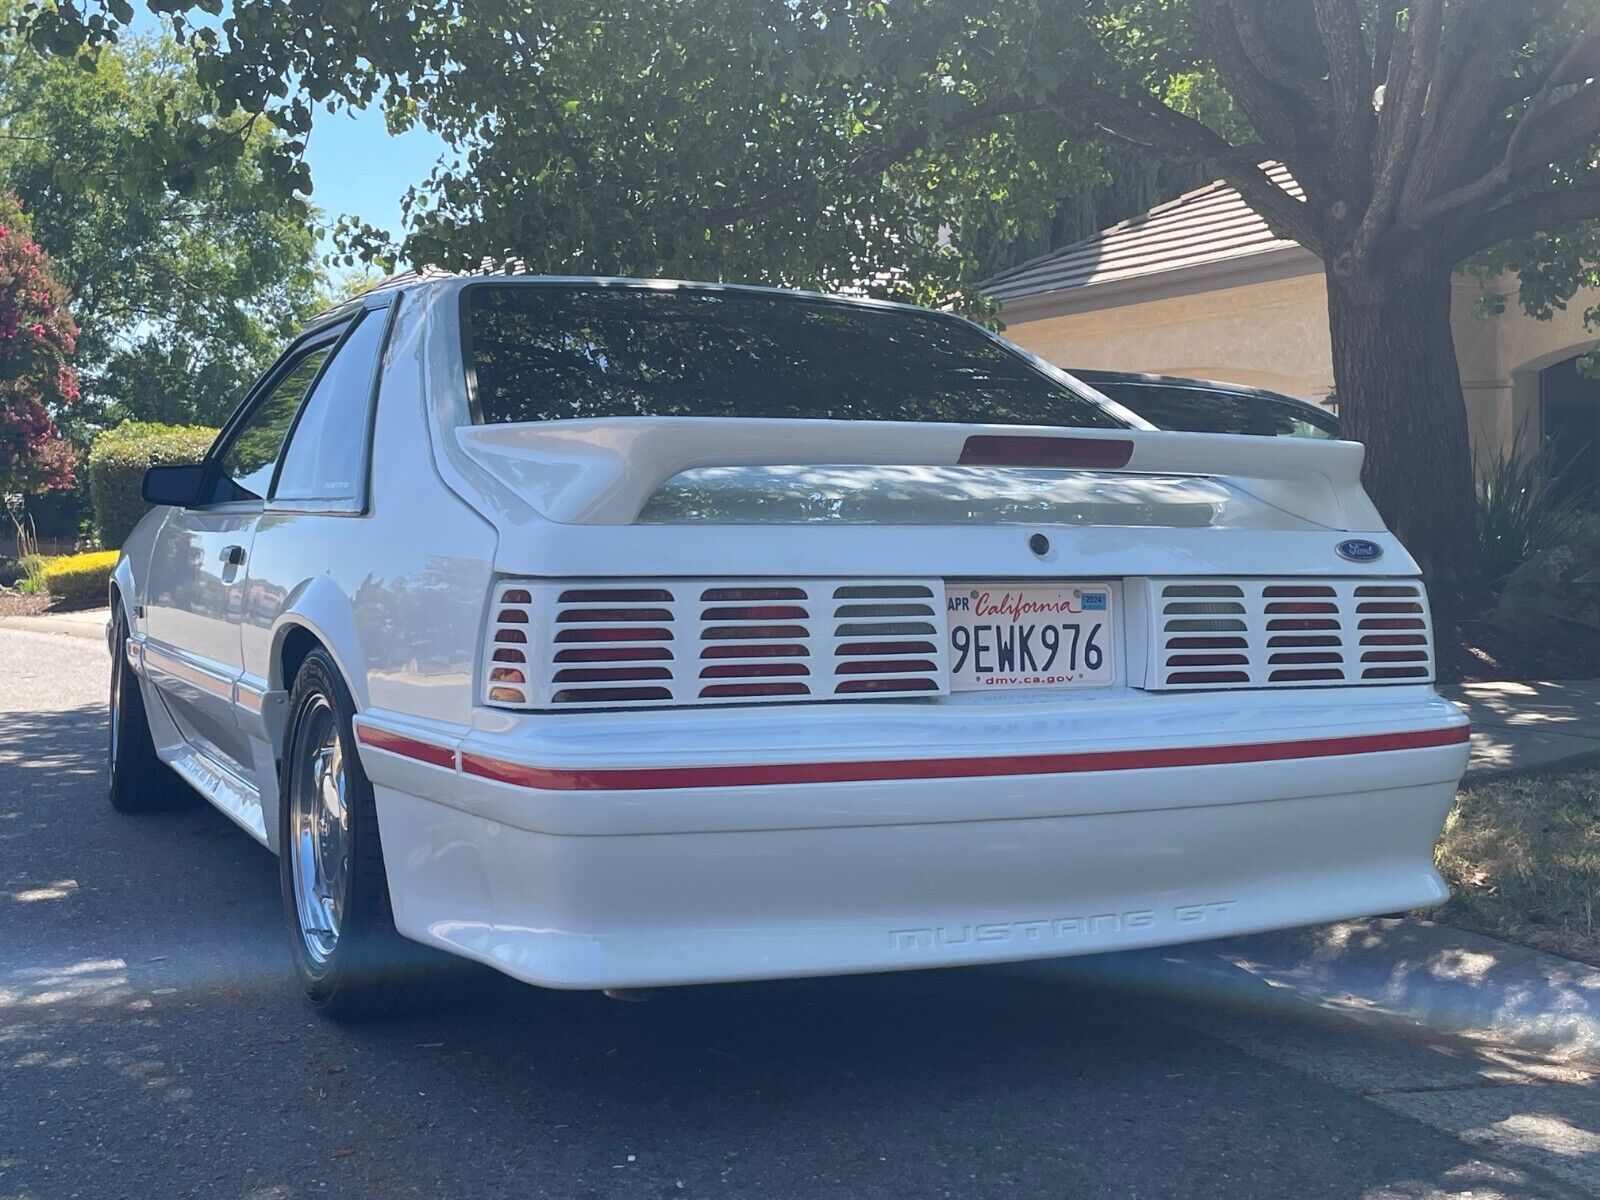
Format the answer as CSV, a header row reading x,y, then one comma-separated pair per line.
x,y
1187,409
1191,408
540,352
1296,420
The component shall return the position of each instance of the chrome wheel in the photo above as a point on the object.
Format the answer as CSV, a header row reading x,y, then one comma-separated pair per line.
x,y
117,668
319,828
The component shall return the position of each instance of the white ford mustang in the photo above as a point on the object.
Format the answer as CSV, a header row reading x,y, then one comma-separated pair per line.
x,y
622,634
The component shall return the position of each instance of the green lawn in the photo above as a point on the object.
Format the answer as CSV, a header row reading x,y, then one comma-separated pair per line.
x,y
1523,857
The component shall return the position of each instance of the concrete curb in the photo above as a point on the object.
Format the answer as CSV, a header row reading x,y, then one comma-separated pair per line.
x,y
1404,971
90,624
1576,760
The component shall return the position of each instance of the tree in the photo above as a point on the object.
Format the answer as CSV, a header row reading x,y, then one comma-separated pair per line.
x,y
756,157
857,143
1423,134
189,258
733,141
37,382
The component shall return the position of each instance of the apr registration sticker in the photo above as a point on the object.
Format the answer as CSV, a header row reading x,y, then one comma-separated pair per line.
x,y
1029,636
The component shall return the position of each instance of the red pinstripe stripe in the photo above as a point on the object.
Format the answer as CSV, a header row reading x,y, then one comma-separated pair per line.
x,y
178,669
652,778
395,743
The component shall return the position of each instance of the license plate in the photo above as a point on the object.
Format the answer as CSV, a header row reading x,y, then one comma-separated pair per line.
x,y
1029,636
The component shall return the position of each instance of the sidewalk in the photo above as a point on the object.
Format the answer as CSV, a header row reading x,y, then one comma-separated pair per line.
x,y
1495,1044
85,623
1407,970
1526,726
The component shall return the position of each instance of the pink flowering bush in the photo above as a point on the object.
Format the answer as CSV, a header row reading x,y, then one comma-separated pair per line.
x,y
37,335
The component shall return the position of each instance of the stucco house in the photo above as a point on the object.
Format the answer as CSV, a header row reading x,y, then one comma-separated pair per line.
x,y
1200,286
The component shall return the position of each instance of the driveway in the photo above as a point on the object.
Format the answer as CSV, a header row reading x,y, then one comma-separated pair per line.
x,y
152,1044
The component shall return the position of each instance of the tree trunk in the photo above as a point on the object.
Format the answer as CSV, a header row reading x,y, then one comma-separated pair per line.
x,y
1399,388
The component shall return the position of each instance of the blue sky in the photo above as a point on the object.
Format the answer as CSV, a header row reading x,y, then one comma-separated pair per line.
x,y
358,169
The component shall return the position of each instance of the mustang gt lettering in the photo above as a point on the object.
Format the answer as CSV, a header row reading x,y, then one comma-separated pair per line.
x,y
1055,927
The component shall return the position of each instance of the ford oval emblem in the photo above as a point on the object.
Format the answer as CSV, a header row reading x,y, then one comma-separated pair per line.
x,y
1359,550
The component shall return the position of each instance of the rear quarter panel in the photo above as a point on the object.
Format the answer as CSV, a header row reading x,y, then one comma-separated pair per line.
x,y
396,595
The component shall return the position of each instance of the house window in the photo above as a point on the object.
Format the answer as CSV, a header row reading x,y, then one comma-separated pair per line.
x,y
1570,412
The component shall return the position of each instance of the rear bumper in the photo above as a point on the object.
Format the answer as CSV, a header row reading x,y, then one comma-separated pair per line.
x,y
620,873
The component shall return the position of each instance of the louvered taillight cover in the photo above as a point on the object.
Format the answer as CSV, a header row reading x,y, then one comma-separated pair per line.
x,y
647,643
1255,633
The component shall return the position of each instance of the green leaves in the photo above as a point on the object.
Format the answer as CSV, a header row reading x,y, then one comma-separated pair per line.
x,y
828,146
37,380
176,227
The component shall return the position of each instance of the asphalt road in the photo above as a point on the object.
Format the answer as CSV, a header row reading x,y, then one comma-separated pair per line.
x,y
153,1044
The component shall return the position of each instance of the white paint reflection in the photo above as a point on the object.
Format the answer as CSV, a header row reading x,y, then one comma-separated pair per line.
x,y
948,495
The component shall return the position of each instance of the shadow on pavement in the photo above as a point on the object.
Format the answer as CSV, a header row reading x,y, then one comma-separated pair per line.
x,y
152,1042
1406,972
69,743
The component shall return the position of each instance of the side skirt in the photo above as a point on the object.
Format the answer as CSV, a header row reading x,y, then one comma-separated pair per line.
x,y
236,797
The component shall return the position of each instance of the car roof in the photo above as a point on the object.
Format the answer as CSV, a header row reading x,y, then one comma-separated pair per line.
x,y
434,279
1137,379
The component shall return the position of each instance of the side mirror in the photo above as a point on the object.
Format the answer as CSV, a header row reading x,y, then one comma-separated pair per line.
x,y
178,486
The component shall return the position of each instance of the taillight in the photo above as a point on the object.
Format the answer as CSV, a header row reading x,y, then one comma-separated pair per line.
x,y
595,645
726,690
1289,633
510,616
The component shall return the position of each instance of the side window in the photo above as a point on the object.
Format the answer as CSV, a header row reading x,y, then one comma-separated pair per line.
x,y
327,451
1291,420
246,465
1189,409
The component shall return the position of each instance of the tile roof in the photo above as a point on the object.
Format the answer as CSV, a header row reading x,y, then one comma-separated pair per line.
x,y
1212,224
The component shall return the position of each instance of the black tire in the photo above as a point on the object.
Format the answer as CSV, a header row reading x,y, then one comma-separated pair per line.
x,y
369,971
138,781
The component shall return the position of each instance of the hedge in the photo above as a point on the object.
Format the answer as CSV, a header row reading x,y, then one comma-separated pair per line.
x,y
117,463
80,576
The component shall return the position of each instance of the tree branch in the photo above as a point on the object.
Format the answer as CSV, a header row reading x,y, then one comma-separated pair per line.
x,y
1349,74
1578,62
1275,58
1147,123
1404,89
1567,125
1271,110
1383,31
1539,212
1540,136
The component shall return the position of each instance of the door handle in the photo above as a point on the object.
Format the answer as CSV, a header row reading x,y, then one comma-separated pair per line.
x,y
233,556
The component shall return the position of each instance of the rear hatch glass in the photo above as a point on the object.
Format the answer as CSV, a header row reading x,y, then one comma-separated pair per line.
x,y
540,352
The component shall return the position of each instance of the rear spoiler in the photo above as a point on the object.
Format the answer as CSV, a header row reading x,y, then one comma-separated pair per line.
x,y
601,472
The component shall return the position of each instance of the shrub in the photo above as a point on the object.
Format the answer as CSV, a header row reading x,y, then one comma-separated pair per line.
x,y
1521,511
37,382
79,576
117,463
32,581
